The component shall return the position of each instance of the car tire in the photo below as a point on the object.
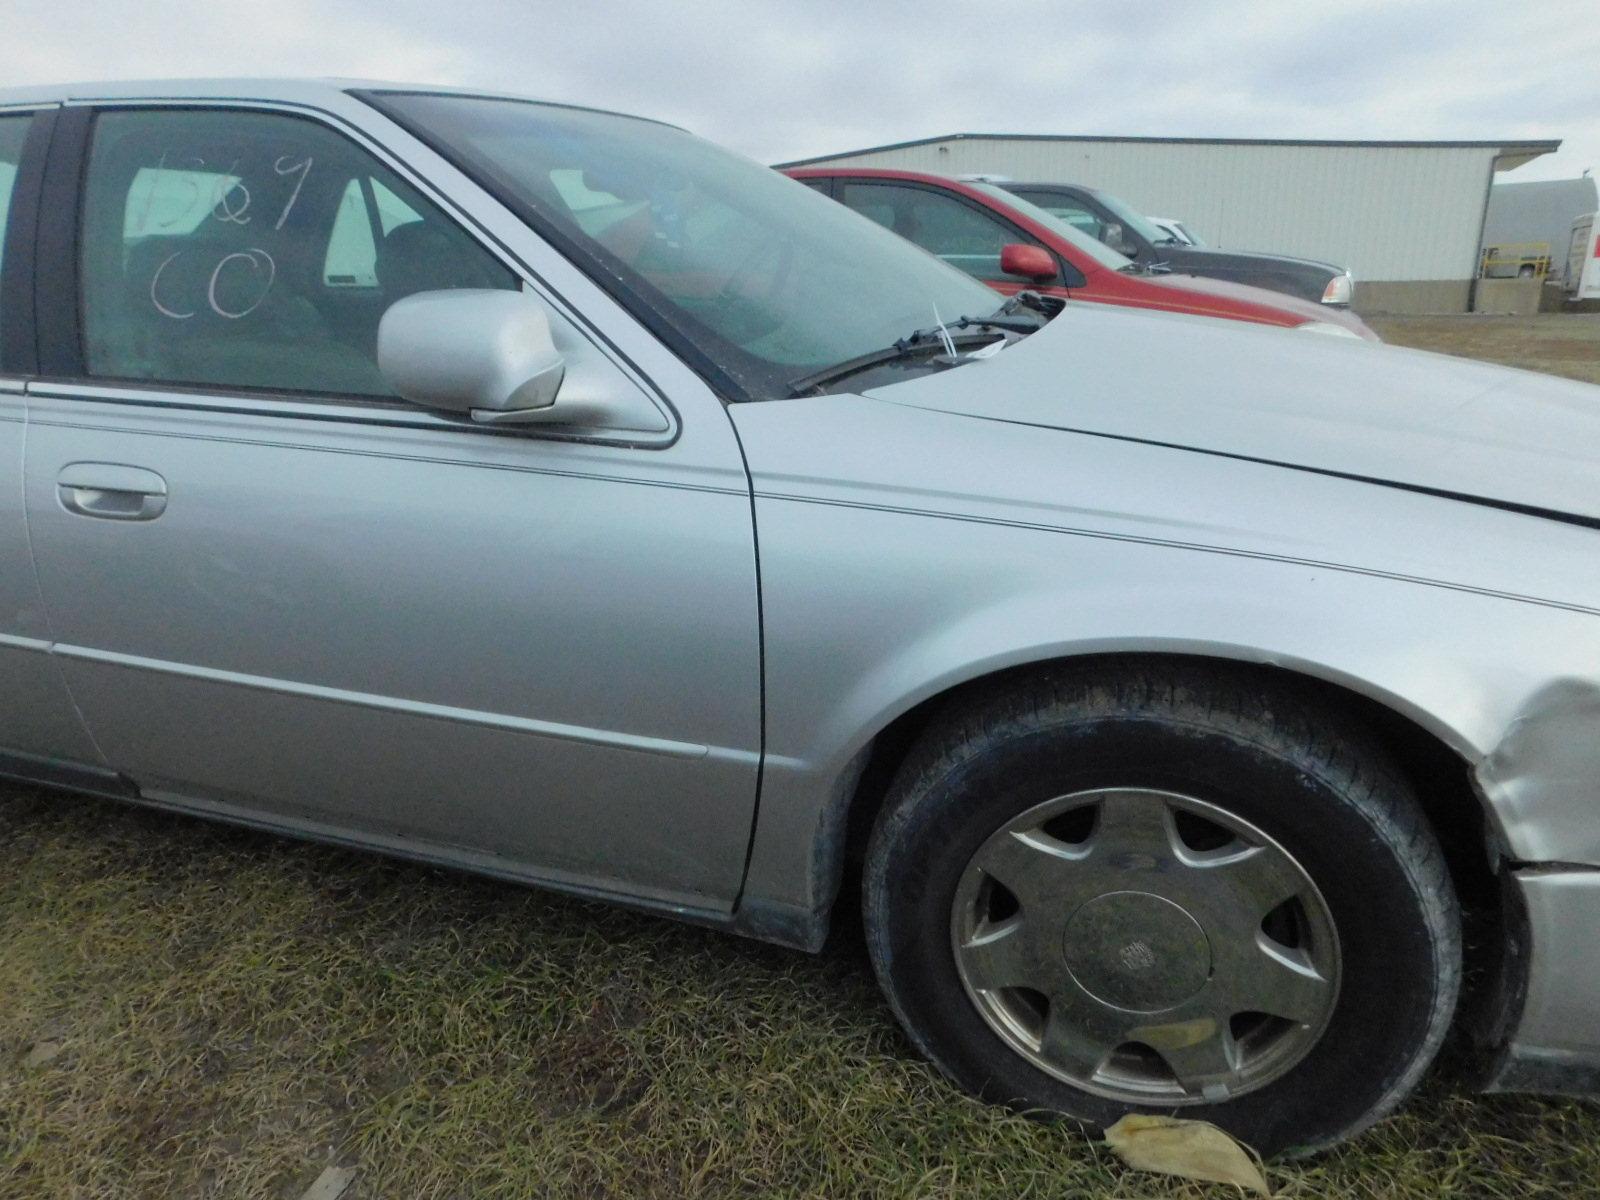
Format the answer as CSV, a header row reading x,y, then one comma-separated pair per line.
x,y
1069,864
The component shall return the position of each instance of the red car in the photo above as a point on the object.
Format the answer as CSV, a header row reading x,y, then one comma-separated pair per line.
x,y
1014,245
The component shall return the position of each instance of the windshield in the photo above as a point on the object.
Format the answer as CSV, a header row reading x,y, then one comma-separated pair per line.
x,y
738,266
1092,248
1137,222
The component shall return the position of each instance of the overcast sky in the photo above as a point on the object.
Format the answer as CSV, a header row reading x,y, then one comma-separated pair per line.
x,y
786,79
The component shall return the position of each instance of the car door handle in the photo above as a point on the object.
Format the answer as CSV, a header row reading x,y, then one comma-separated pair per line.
x,y
111,491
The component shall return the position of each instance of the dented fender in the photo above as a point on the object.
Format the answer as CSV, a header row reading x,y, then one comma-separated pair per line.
x,y
1542,777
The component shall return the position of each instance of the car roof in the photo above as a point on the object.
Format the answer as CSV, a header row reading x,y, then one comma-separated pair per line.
x,y
1054,185
948,181
329,93
974,190
963,184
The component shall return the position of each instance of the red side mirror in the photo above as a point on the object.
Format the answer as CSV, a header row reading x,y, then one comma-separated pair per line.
x,y
1031,262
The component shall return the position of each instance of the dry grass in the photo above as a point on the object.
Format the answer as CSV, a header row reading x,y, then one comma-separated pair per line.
x,y
233,1012
1560,343
236,1011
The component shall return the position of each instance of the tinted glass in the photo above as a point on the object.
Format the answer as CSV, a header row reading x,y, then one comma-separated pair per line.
x,y
12,132
251,250
1065,208
1131,217
765,277
961,235
1060,221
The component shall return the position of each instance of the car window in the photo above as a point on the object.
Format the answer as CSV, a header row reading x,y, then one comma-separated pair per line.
x,y
960,234
756,280
1131,218
1064,230
253,250
1064,208
352,258
13,130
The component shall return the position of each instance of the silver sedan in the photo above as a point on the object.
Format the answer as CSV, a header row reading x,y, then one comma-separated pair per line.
x,y
551,494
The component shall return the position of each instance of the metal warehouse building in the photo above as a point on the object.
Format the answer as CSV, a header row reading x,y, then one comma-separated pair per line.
x,y
1405,217
1540,212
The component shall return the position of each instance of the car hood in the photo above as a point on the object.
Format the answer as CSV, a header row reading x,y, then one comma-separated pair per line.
x,y
1202,254
1390,415
1226,288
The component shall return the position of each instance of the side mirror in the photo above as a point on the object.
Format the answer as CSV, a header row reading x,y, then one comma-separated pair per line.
x,y
1113,235
1031,262
489,354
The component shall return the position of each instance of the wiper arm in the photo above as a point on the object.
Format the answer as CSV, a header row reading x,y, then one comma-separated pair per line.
x,y
1020,315
1006,322
914,345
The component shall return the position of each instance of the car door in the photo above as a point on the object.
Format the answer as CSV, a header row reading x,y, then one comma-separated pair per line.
x,y
41,736
281,594
962,234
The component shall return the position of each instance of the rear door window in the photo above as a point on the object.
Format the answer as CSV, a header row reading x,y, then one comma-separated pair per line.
x,y
13,132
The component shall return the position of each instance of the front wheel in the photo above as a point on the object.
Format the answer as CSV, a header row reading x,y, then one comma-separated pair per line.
x,y
1164,888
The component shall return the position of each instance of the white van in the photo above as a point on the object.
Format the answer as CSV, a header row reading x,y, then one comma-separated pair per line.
x,y
1583,259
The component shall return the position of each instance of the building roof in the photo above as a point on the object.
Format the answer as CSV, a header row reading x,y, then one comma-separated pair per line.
x,y
1540,210
1581,191
1520,149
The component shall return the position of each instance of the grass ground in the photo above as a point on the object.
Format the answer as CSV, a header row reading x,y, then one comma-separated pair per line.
x,y
189,1010
1560,343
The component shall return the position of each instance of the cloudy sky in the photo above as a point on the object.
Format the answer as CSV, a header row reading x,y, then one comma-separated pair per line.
x,y
781,79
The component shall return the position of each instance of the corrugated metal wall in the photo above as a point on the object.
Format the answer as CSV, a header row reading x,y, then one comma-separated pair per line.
x,y
1387,213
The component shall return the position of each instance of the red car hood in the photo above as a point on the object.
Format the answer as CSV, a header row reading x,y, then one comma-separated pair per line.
x,y
1223,289
1330,404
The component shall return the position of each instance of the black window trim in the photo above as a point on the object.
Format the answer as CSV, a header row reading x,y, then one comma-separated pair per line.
x,y
62,372
1064,270
56,309
829,188
19,347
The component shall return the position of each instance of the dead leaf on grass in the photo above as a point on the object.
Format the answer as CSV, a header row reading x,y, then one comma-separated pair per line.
x,y
1191,1149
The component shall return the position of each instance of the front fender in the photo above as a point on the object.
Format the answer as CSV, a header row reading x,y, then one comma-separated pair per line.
x,y
876,600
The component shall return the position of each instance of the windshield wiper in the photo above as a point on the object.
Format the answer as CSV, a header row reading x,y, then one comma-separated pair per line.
x,y
914,345
1022,314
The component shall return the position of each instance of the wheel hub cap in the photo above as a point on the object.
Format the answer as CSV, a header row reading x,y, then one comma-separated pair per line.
x,y
1146,946
1137,951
